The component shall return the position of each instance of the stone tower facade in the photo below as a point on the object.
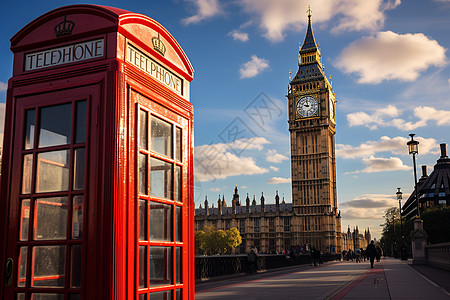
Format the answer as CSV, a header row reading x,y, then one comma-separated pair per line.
x,y
312,126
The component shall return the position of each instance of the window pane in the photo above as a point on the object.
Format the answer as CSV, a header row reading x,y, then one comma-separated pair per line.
x,y
165,295
142,173
143,129
178,183
27,174
24,219
29,128
22,266
49,265
160,222
161,179
178,266
78,169
161,134
77,217
55,123
178,223
142,267
75,266
160,266
80,131
51,218
42,296
142,220
178,144
53,171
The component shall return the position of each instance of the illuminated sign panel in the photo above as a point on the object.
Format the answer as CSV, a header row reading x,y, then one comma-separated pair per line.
x,y
64,55
154,69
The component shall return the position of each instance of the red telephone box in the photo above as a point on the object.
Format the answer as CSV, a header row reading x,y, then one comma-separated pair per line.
x,y
97,174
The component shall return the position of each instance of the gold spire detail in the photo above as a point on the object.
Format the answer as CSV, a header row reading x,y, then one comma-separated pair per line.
x,y
309,11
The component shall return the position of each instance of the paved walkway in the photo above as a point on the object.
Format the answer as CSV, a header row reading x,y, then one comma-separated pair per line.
x,y
390,279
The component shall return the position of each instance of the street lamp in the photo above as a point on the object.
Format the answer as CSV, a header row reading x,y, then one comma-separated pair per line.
x,y
413,147
403,253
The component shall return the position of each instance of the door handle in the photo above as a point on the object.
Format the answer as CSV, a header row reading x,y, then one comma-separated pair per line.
x,y
9,267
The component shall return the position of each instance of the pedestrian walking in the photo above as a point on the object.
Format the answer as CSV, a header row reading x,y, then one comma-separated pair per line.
x,y
371,252
253,259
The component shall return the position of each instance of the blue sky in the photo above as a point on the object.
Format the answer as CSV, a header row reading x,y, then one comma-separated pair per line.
x,y
388,61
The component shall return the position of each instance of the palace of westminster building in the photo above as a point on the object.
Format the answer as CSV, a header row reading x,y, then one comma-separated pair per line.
x,y
312,218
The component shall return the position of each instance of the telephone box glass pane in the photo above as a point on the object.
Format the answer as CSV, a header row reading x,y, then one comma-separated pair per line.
x,y
74,297
160,266
53,171
143,129
75,267
78,172
178,184
51,218
142,174
55,125
143,297
166,295
22,266
80,130
49,266
179,294
161,136
142,266
24,219
77,217
42,296
160,222
178,144
178,223
27,175
161,180
178,265
142,220
21,296
29,128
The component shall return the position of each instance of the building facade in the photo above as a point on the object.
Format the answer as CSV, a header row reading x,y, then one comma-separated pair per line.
x,y
312,127
312,218
433,190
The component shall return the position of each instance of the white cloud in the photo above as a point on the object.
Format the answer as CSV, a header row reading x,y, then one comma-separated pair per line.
x,y
277,16
378,164
216,189
274,169
205,9
395,145
214,161
278,180
3,86
253,67
368,206
388,56
274,157
380,117
239,36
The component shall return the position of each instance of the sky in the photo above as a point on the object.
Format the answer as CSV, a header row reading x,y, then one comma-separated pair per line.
x,y
388,63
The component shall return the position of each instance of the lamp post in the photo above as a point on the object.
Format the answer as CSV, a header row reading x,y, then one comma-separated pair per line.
x,y
403,253
413,147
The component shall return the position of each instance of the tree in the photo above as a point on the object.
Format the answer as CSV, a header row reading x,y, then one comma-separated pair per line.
x,y
212,241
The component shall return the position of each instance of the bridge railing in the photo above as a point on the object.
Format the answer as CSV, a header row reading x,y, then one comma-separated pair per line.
x,y
207,267
439,255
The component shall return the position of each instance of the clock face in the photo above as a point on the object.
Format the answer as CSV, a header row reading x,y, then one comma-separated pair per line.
x,y
332,115
307,106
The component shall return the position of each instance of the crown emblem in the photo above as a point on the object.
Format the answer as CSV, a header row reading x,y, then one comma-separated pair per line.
x,y
64,28
158,45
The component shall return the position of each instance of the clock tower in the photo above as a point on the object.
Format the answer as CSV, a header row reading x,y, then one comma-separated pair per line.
x,y
312,127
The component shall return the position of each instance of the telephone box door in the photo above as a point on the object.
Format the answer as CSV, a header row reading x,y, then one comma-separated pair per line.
x,y
51,194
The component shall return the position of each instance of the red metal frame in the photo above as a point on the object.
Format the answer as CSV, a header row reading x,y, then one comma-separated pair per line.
x,y
113,89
